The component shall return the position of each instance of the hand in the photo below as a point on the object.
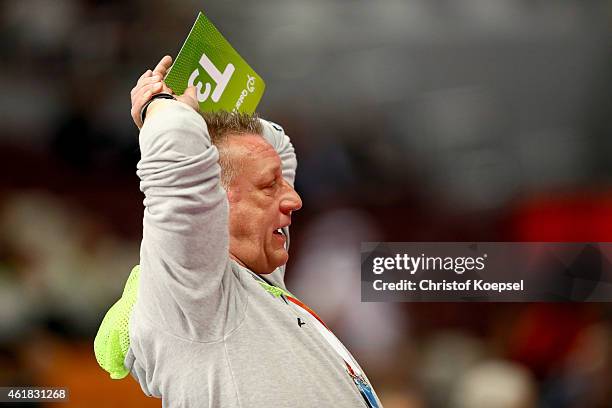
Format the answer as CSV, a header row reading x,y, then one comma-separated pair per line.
x,y
149,84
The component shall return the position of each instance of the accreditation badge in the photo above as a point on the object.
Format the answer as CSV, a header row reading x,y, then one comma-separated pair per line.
x,y
366,392
223,79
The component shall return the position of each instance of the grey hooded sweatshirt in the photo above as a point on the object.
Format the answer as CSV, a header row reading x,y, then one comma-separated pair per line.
x,y
205,331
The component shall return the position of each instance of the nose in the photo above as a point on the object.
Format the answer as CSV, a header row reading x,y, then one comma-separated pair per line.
x,y
291,200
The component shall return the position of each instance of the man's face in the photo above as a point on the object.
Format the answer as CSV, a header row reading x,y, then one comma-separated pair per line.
x,y
261,202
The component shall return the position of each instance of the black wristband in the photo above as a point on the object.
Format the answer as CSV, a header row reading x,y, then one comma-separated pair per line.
x,y
143,111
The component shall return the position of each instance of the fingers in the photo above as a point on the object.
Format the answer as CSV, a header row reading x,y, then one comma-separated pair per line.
x,y
144,83
148,84
147,73
144,94
141,97
160,71
147,91
163,65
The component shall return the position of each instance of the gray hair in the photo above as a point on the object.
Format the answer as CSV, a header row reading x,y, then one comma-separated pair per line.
x,y
221,125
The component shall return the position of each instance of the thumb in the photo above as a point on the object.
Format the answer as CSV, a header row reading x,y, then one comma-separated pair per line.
x,y
191,92
190,98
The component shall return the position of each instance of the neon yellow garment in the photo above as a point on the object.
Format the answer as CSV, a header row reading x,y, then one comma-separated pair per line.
x,y
113,339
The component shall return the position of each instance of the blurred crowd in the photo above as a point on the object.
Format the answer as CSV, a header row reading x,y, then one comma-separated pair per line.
x,y
414,120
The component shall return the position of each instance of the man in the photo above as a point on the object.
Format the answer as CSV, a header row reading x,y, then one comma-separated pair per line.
x,y
213,324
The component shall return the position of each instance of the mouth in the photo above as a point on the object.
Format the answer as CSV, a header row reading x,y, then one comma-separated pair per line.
x,y
279,235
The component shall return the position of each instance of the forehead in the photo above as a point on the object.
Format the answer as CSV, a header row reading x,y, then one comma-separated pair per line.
x,y
255,153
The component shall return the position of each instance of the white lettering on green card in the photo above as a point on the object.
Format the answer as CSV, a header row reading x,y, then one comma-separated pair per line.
x,y
221,79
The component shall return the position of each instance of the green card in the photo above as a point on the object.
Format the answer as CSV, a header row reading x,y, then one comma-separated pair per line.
x,y
223,80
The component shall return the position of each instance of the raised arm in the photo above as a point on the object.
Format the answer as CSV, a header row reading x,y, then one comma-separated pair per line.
x,y
184,252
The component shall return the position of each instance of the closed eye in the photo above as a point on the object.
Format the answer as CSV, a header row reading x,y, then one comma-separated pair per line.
x,y
269,186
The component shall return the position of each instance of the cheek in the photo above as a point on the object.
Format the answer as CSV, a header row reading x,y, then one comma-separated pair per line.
x,y
237,218
246,220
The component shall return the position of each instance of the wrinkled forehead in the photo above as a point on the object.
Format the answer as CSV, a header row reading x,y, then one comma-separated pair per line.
x,y
255,153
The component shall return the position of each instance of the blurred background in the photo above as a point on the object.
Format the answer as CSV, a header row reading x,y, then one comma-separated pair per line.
x,y
414,120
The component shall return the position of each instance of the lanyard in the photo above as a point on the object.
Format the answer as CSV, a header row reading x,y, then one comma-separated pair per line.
x,y
352,368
